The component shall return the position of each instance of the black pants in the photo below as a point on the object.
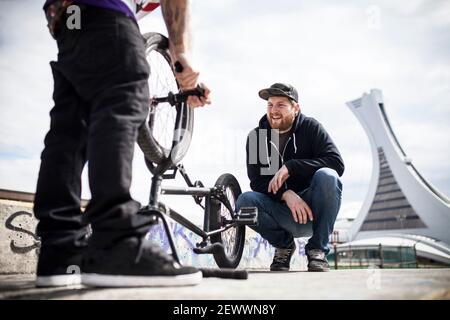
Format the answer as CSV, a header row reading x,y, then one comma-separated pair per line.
x,y
101,98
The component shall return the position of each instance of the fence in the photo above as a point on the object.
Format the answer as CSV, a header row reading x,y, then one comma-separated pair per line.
x,y
380,256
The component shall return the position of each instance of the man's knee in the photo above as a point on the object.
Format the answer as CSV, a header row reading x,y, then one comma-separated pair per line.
x,y
327,180
248,199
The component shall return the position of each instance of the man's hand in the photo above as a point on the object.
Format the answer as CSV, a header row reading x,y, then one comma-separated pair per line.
x,y
176,15
54,14
188,80
299,208
277,181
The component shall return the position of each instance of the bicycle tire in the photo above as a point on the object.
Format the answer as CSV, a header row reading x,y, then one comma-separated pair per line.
x,y
154,151
232,256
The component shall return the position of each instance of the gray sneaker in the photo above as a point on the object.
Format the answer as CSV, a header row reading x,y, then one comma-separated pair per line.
x,y
282,259
317,261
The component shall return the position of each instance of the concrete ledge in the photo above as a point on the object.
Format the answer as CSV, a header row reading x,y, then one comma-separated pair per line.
x,y
18,242
19,245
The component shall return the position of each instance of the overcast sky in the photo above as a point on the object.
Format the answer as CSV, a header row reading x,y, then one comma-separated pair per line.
x,y
330,51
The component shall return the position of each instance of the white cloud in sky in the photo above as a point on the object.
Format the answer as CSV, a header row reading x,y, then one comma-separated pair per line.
x,y
329,50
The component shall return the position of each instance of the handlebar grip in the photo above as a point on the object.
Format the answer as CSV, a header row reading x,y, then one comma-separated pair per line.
x,y
174,98
198,91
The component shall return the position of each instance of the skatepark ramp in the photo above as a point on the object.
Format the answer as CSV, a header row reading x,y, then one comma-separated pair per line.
x,y
19,244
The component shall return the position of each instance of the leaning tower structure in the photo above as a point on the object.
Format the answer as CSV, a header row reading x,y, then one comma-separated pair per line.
x,y
399,199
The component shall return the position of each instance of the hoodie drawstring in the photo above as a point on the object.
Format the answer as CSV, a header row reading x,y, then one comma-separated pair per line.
x,y
295,144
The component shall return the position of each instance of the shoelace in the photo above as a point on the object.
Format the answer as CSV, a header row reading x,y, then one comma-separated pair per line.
x,y
316,254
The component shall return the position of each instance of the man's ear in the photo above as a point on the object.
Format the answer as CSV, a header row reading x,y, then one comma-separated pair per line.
x,y
297,108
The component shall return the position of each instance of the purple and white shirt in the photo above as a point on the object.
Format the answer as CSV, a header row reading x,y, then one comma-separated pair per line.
x,y
135,9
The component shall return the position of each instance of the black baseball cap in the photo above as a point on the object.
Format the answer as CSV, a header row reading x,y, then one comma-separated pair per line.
x,y
279,90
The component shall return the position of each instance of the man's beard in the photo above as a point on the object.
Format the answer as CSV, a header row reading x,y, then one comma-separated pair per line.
x,y
282,124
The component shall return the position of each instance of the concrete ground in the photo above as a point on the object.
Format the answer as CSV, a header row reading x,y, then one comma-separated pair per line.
x,y
263,285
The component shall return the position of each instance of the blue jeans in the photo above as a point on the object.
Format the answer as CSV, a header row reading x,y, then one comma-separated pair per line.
x,y
275,221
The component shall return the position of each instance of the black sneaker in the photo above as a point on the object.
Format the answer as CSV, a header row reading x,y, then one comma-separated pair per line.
x,y
135,263
282,259
317,261
59,267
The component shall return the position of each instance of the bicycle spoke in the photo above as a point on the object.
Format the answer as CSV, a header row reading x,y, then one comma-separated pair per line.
x,y
229,236
161,82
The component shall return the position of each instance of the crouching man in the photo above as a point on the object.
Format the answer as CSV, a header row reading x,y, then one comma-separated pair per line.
x,y
294,168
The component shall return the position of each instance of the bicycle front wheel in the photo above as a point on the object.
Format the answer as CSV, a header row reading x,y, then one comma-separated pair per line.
x,y
232,239
167,132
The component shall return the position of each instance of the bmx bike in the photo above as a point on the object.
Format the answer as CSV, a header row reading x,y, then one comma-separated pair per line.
x,y
164,139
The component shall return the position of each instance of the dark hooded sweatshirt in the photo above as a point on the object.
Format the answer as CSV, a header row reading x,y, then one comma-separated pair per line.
x,y
308,148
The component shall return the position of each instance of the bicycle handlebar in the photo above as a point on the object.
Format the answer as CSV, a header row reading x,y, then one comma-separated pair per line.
x,y
174,98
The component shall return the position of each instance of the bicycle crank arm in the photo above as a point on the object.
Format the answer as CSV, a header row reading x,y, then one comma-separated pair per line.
x,y
224,273
213,248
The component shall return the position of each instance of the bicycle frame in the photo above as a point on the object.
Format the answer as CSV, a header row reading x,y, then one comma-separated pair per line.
x,y
197,192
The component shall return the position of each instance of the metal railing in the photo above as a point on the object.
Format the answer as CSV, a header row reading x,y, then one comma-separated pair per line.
x,y
380,256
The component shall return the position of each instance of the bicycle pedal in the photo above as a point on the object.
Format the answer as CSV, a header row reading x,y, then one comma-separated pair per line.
x,y
247,216
213,248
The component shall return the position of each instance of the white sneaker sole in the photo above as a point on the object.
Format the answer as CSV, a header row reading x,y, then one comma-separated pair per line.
x,y
104,280
58,280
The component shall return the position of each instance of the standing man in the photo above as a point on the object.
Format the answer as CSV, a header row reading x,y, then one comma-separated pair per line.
x,y
294,168
101,98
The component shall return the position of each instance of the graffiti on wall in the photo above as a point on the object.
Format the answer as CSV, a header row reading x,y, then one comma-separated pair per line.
x,y
14,225
257,251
